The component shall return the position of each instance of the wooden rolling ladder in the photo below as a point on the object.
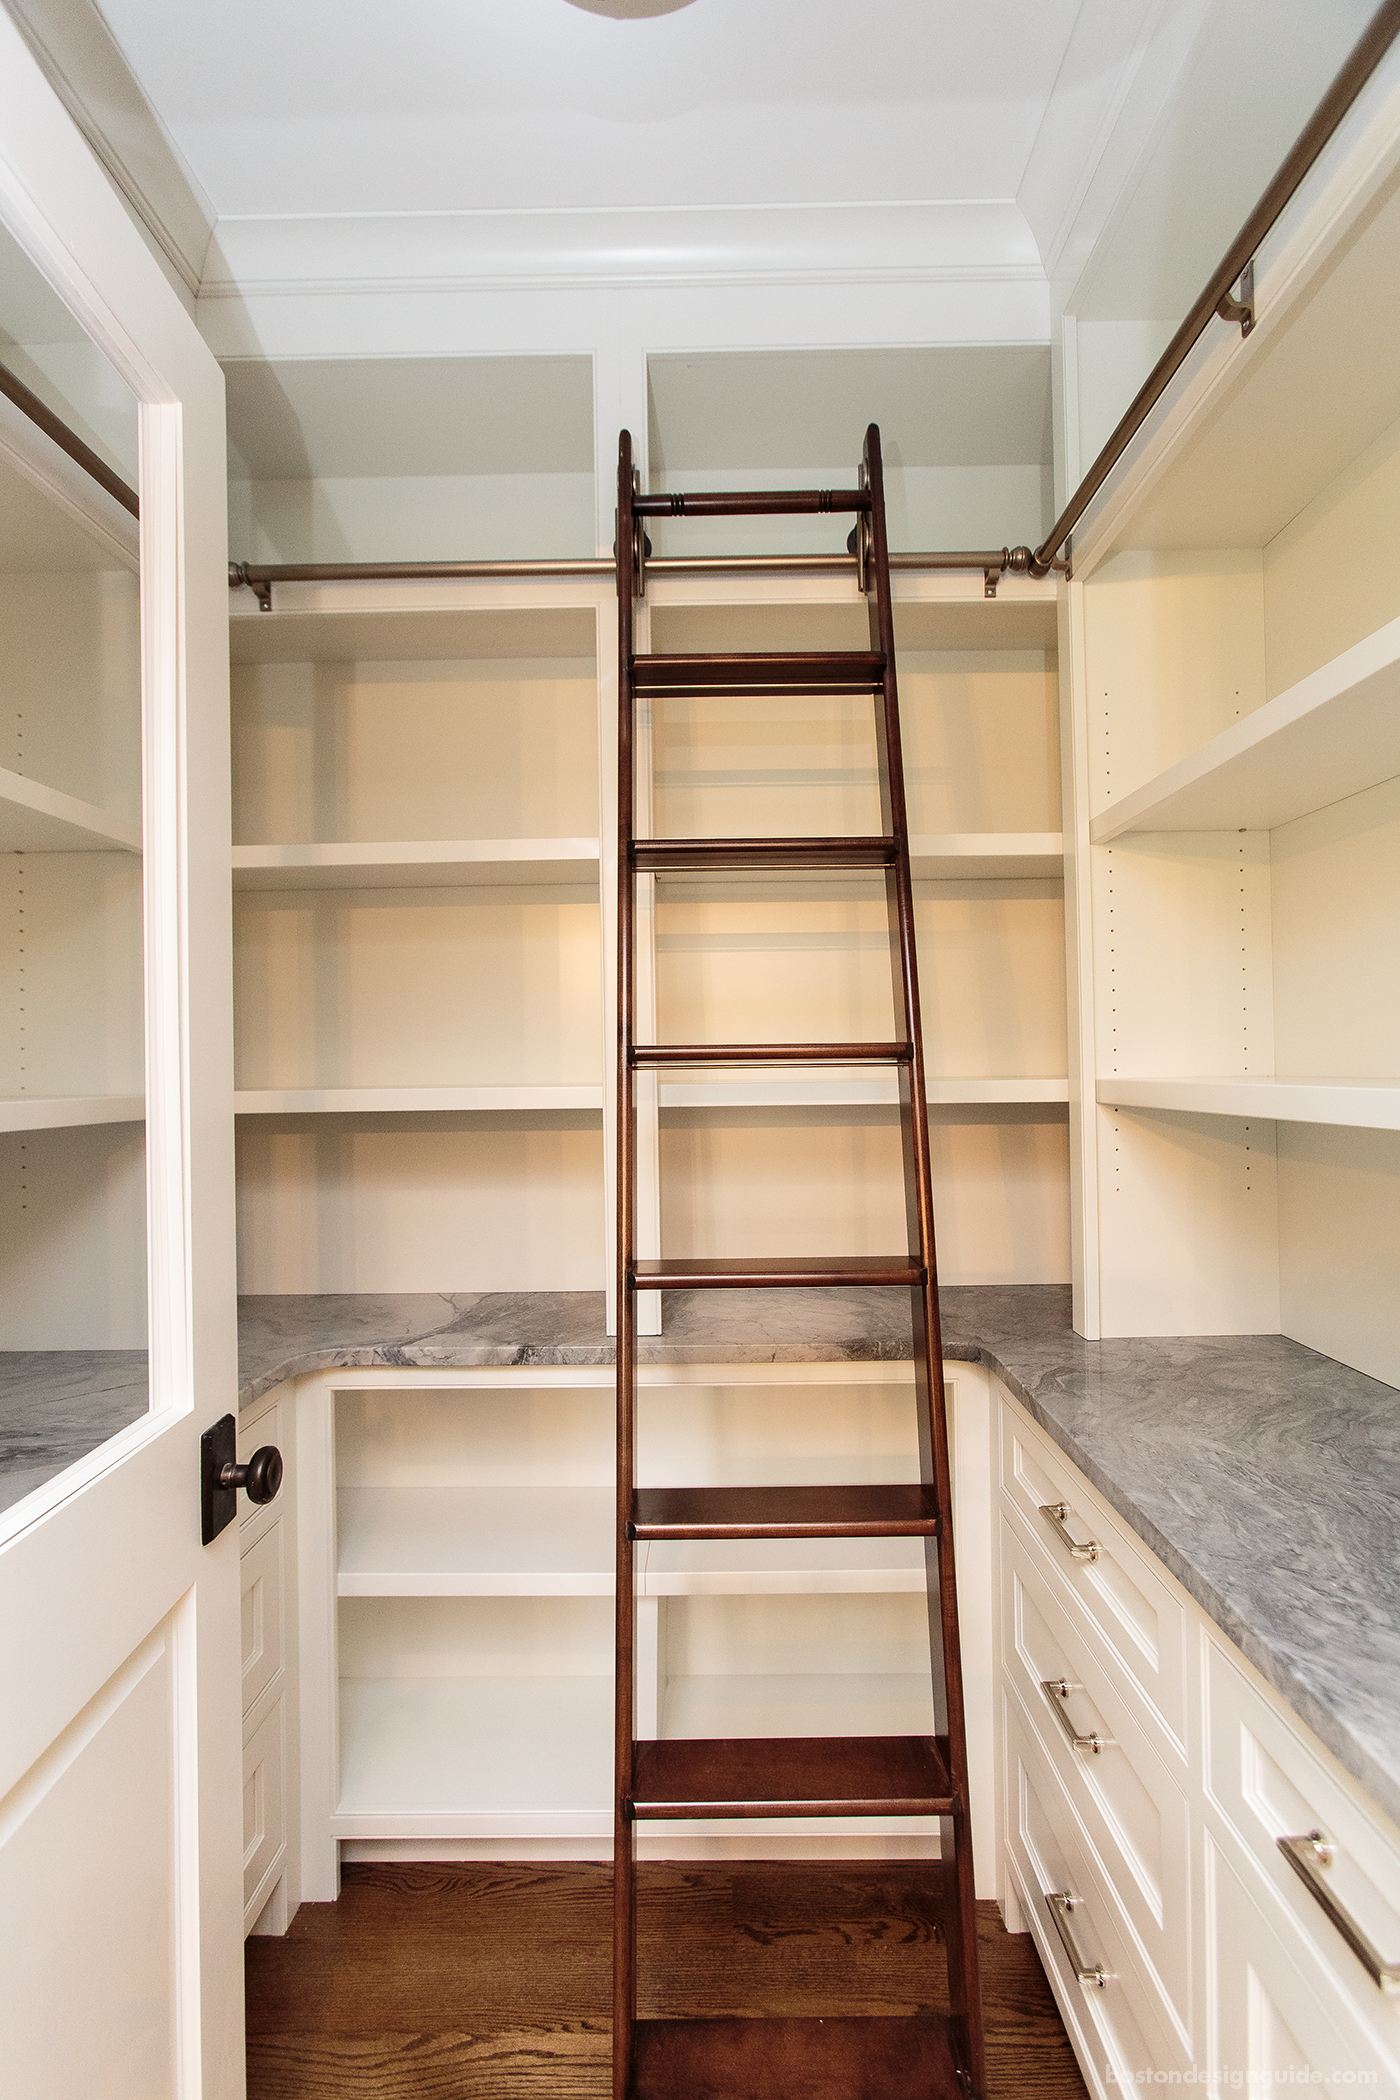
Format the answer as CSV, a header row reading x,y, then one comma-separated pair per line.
x,y
912,2058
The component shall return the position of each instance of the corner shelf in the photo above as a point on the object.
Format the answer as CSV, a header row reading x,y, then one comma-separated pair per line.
x,y
1364,1104
416,864
39,819
1331,735
69,1111
411,1100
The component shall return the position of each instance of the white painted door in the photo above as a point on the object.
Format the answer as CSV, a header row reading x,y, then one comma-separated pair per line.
x,y
120,1793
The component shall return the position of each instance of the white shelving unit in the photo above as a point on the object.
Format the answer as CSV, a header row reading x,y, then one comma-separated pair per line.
x,y
424,896
72,1103
387,977
1234,755
456,1666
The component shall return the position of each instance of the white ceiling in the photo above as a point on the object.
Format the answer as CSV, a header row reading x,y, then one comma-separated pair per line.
x,y
360,106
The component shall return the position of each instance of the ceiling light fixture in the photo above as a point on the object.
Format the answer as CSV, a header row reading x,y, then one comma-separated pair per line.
x,y
630,10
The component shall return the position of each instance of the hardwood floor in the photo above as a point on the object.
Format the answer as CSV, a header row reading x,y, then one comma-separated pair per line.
x,y
491,1982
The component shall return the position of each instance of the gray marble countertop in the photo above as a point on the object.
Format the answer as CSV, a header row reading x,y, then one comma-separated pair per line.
x,y
1265,1476
56,1405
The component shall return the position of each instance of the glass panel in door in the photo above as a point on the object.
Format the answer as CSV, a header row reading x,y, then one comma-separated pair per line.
x,y
73,1317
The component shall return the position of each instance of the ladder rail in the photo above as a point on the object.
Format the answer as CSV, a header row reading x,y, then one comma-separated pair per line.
x,y
960,1918
624,1720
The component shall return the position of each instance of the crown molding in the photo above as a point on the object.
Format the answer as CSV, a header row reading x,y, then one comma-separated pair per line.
x,y
647,247
87,71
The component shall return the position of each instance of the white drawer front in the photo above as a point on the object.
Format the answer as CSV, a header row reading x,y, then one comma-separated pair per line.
x,y
1121,2020
264,1807
262,1615
1131,1803
1268,1783
1274,2022
1115,1583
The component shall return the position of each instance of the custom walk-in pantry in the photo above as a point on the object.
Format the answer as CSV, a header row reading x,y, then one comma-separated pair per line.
x,y
805,652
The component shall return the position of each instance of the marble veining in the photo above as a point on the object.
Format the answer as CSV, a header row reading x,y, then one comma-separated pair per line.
x,y
56,1405
1265,1476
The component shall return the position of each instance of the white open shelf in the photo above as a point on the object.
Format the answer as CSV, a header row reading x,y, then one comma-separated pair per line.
x,y
558,1542
68,1111
415,864
755,1091
443,1757
475,1542
410,1100
1365,1104
986,856
1333,734
39,819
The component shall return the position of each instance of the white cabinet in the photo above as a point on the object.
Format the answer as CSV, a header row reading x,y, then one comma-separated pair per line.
x,y
266,1541
1155,1800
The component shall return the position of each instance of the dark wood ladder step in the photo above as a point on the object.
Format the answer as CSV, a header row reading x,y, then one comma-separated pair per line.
x,y
749,503
808,671
786,1274
836,1511
646,1056
787,2059
741,1777
666,856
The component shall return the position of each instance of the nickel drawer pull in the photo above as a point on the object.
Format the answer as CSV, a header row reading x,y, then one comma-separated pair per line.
x,y
1057,1690
1309,1856
1058,1513
1060,1903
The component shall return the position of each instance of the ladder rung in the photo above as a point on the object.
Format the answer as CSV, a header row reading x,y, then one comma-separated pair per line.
x,y
904,1510
812,1275
812,671
663,856
647,1055
749,503
837,2058
742,1776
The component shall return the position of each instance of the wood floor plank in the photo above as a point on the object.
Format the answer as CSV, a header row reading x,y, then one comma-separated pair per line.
x,y
528,2063
491,1981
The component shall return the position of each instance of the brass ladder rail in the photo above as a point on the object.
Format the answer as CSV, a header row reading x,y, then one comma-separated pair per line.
x,y
925,2057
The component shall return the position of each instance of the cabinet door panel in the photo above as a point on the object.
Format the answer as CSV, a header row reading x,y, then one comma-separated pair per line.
x,y
264,1811
261,1571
